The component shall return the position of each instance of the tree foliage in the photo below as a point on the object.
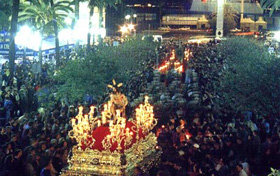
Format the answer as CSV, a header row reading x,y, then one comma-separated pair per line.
x,y
251,77
272,5
91,74
41,14
5,13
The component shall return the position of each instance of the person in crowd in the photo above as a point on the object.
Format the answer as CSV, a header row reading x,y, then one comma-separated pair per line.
x,y
240,170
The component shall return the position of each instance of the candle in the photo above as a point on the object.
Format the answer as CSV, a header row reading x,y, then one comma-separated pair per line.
x,y
91,112
98,123
79,119
109,105
103,118
73,122
118,113
86,118
80,110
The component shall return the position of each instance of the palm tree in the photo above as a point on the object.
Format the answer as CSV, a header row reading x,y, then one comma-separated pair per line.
x,y
12,49
101,4
59,6
76,4
46,16
272,5
5,13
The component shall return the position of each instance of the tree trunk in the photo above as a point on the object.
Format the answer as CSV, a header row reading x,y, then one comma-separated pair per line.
x,y
77,17
100,23
55,27
89,28
40,57
12,48
77,13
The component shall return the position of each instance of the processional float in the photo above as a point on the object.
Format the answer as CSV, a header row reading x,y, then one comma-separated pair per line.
x,y
112,144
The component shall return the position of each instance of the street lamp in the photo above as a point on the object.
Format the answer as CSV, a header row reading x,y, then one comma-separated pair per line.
x,y
124,29
22,38
130,27
127,17
220,19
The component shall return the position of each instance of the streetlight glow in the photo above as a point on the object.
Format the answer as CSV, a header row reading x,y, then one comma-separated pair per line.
x,y
66,35
124,29
277,36
127,17
130,27
25,34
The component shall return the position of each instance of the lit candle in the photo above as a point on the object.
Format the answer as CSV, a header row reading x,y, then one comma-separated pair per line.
x,y
109,105
98,123
91,112
118,113
86,118
103,118
73,122
80,110
79,117
127,132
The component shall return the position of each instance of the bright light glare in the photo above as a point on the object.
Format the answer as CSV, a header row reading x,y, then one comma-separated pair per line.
x,y
131,27
37,38
277,36
68,20
124,29
66,35
134,15
80,30
127,17
102,32
25,34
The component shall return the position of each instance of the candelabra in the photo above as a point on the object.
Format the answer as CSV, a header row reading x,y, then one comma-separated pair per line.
x,y
118,134
81,129
145,116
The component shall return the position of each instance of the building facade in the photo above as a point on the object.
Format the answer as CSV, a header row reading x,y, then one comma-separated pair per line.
x,y
194,14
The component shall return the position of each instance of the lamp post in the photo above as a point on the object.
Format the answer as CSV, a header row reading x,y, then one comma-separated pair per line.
x,y
127,17
22,39
123,30
134,17
220,19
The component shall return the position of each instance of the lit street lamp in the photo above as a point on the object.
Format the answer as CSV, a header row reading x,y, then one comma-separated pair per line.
x,y
23,37
127,29
127,17
124,29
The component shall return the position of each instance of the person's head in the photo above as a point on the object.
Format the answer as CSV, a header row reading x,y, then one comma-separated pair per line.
x,y
18,153
239,141
48,163
14,138
239,167
255,133
137,170
163,173
43,146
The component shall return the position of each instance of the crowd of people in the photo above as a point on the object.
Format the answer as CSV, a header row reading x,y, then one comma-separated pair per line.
x,y
207,145
35,144
29,141
203,144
